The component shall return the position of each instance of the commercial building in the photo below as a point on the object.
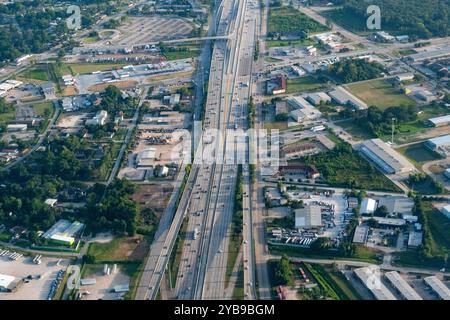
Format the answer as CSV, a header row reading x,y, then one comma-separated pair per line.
x,y
390,222
308,217
276,86
361,233
446,211
304,110
431,53
281,107
397,204
404,77
383,36
318,97
99,119
438,287
384,157
64,232
425,95
402,287
16,127
8,283
368,206
439,144
415,239
370,278
440,121
342,96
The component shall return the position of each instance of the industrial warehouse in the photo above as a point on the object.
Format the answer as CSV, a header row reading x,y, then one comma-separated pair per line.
x,y
384,157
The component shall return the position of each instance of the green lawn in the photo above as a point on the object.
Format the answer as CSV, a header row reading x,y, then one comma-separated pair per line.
x,y
439,227
303,84
426,186
284,43
379,93
123,249
36,73
185,54
346,20
43,109
289,21
419,154
352,127
6,117
363,253
92,67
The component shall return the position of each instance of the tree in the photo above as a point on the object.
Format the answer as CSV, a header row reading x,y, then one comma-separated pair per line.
x,y
283,272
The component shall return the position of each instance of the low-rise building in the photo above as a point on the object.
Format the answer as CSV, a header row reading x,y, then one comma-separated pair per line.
x,y
415,239
439,144
370,278
276,86
401,286
404,77
16,127
318,97
308,217
385,157
304,110
368,206
361,233
344,97
99,119
438,287
8,283
440,121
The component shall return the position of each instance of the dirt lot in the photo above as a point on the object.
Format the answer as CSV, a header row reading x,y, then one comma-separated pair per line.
x,y
72,120
154,196
120,85
102,289
36,289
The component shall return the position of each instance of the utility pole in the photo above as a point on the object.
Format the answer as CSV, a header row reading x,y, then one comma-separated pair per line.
x,y
393,128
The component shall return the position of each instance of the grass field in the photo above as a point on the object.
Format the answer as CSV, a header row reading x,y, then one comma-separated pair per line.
x,y
289,21
353,128
363,253
303,84
185,54
425,187
284,43
8,116
123,249
346,20
279,125
43,109
36,73
380,94
419,154
92,67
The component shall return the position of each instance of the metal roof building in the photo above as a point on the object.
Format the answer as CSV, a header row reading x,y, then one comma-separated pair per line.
x,y
6,282
368,206
438,142
440,121
403,287
438,287
369,277
384,157
342,96
308,217
360,235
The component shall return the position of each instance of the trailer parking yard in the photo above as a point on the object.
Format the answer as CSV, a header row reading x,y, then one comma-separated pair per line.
x,y
34,288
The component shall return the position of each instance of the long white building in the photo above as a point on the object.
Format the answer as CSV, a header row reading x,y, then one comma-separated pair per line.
x,y
403,287
385,157
371,279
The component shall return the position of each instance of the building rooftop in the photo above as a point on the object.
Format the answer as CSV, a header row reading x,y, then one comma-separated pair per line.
x,y
438,286
439,141
389,160
440,120
360,235
6,281
368,206
370,277
310,216
402,286
415,239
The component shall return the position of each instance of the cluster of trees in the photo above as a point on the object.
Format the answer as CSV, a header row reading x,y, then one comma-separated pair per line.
x,y
28,26
22,197
350,70
238,197
111,208
380,122
409,17
5,107
324,244
251,113
288,21
283,272
343,167
113,102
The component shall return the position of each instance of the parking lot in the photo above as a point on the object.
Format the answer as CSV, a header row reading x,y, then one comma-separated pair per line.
x,y
152,29
31,289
